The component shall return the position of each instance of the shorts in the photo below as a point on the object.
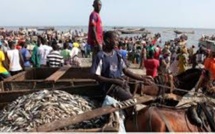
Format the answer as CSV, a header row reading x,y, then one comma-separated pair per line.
x,y
119,93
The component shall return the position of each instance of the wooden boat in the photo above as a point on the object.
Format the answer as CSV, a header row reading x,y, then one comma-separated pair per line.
x,y
183,32
207,44
132,31
46,29
72,80
67,79
39,78
92,91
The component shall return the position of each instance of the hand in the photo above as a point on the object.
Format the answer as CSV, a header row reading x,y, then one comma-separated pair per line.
x,y
121,83
148,79
211,90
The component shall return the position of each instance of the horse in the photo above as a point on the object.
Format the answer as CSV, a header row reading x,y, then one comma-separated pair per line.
x,y
164,119
186,80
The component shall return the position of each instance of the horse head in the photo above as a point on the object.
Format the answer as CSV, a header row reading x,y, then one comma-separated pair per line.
x,y
187,80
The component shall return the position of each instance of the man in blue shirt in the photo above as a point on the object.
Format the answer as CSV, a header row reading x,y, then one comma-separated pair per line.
x,y
109,68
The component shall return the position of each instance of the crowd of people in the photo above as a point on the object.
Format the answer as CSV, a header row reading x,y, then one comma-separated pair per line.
x,y
111,55
174,56
21,51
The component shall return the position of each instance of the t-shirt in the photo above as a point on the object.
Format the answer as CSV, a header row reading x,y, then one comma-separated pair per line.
x,y
65,53
109,66
210,66
95,21
123,53
76,44
35,57
182,59
157,53
2,58
83,46
14,59
151,66
25,54
55,59
44,50
74,52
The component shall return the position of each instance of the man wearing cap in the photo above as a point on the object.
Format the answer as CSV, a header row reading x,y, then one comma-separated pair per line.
x,y
95,30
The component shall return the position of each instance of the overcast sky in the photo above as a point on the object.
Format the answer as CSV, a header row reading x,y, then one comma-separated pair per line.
x,y
155,13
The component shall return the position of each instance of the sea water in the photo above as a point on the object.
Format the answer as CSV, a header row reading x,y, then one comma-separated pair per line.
x,y
166,33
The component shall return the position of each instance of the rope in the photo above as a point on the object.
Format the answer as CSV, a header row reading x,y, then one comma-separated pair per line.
x,y
159,85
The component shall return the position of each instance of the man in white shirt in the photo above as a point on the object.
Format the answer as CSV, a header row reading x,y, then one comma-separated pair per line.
x,y
16,63
75,61
44,50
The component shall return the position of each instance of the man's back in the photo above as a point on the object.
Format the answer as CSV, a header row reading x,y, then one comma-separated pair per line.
x,y
14,58
210,66
151,66
55,59
44,50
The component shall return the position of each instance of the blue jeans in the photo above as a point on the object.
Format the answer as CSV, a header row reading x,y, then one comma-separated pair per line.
x,y
87,50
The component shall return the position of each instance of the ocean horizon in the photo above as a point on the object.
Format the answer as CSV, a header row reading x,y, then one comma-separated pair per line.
x,y
167,33
78,26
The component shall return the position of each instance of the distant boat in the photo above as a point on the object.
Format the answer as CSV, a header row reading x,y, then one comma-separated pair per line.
x,y
184,32
117,28
46,29
133,31
207,44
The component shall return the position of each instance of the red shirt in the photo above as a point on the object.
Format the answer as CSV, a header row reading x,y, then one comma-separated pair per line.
x,y
154,42
95,21
157,53
151,66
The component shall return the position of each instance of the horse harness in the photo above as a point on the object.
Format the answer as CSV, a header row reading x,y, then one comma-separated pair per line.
x,y
208,116
163,117
202,116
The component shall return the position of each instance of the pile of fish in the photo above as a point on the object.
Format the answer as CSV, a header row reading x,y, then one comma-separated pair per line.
x,y
45,106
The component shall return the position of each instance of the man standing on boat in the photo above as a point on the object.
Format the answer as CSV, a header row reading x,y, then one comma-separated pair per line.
x,y
95,30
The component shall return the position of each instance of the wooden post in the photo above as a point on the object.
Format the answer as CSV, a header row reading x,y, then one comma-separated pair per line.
x,y
90,114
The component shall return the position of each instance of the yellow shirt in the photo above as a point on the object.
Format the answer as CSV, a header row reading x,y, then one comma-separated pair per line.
x,y
181,63
76,44
2,58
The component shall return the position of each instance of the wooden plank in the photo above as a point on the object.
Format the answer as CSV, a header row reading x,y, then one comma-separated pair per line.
x,y
83,130
89,115
55,76
60,80
15,76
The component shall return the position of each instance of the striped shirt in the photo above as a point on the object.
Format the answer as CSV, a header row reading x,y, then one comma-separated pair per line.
x,y
55,59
